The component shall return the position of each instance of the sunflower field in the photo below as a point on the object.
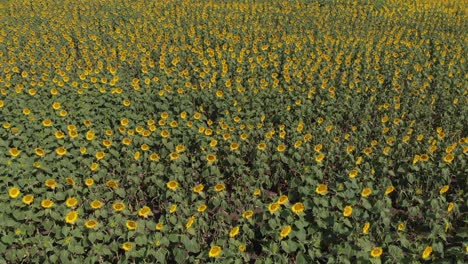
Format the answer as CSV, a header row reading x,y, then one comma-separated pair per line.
x,y
233,131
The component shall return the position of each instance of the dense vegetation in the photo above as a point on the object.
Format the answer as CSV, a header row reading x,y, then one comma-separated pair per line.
x,y
233,131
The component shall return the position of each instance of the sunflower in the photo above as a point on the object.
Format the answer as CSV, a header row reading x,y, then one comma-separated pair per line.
x,y
28,199
234,231
14,152
198,188
201,208
180,148
124,122
386,150
401,226
367,151
281,148
285,231
213,143
174,156
214,252
94,166
89,182
298,208
96,204
118,206
234,146
112,184
164,115
73,134
283,199
273,207
173,208
154,157
70,181
126,141
145,211
353,174
47,203
257,192
51,183
318,147
71,202
211,158
261,146
127,246
71,217
450,207
350,149
376,252
389,190
242,248
190,222
298,144
100,155
61,151
247,214
59,135
424,157
282,134
219,187
347,211
319,158
366,192
449,158
359,160
197,116
47,122
444,189
90,224
14,192
365,228
131,225
427,252
321,189
90,135
159,226
173,185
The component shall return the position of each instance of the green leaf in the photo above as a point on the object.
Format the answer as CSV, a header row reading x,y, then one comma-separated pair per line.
x,y
190,245
173,238
180,255
395,251
64,256
77,249
141,240
301,259
300,234
7,239
53,258
120,192
161,255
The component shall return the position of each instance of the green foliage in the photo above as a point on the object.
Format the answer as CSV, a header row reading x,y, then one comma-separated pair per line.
x,y
233,131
